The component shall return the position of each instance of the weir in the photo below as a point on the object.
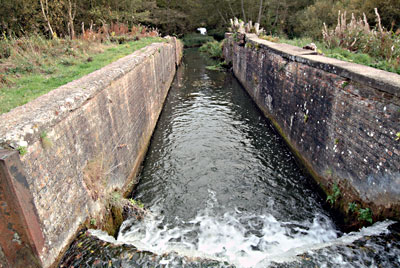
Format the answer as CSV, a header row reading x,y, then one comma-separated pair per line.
x,y
222,189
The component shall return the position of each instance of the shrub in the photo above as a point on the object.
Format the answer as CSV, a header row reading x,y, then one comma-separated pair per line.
x,y
213,48
365,214
332,198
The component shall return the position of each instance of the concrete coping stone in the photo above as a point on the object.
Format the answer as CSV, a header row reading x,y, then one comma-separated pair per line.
x,y
24,124
379,79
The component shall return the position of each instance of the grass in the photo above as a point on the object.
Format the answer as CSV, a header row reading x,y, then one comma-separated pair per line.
x,y
345,55
40,66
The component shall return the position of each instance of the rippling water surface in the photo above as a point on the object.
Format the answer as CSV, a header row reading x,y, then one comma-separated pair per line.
x,y
220,180
221,185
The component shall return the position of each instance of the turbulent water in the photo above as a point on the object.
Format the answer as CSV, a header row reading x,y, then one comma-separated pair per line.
x,y
221,185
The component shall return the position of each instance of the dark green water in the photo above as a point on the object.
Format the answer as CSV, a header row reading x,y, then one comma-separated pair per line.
x,y
222,186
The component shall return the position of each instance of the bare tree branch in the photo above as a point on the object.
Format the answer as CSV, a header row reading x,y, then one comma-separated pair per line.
x,y
46,16
222,17
244,13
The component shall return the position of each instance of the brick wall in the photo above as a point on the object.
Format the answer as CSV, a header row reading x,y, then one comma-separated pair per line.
x,y
85,140
340,118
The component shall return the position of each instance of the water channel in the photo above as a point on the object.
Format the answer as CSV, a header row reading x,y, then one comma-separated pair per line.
x,y
224,190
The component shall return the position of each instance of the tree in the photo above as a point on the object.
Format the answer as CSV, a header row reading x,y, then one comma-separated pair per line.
x,y
71,16
45,12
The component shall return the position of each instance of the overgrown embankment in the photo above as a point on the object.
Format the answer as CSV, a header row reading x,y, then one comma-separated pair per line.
x,y
32,66
352,40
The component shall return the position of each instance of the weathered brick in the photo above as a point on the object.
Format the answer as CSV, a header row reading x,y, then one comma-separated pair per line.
x,y
337,116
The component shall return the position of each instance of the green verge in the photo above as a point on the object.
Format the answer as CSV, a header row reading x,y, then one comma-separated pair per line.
x,y
27,86
345,55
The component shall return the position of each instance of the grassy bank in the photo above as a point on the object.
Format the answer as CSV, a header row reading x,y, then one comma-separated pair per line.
x,y
346,55
31,67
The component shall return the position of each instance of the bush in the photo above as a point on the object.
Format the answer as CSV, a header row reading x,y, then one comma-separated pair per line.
x,y
213,48
196,40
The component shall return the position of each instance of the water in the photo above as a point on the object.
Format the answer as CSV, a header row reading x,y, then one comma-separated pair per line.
x,y
224,190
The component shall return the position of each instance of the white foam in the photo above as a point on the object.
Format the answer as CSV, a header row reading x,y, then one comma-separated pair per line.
x,y
239,238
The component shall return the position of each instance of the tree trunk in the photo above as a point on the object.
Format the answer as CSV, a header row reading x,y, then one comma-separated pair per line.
x,y
260,12
222,17
230,7
46,16
71,17
244,13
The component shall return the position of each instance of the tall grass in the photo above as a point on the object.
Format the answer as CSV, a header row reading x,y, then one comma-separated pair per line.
x,y
357,36
345,54
355,41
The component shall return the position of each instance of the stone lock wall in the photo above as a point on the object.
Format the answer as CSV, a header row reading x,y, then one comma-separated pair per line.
x,y
340,118
83,141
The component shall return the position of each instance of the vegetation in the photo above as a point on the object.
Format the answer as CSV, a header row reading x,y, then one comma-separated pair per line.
x,y
310,20
46,142
213,49
305,118
32,66
293,18
357,36
136,203
93,222
364,214
44,44
22,150
355,41
352,40
196,39
333,197
346,55
352,207
220,67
